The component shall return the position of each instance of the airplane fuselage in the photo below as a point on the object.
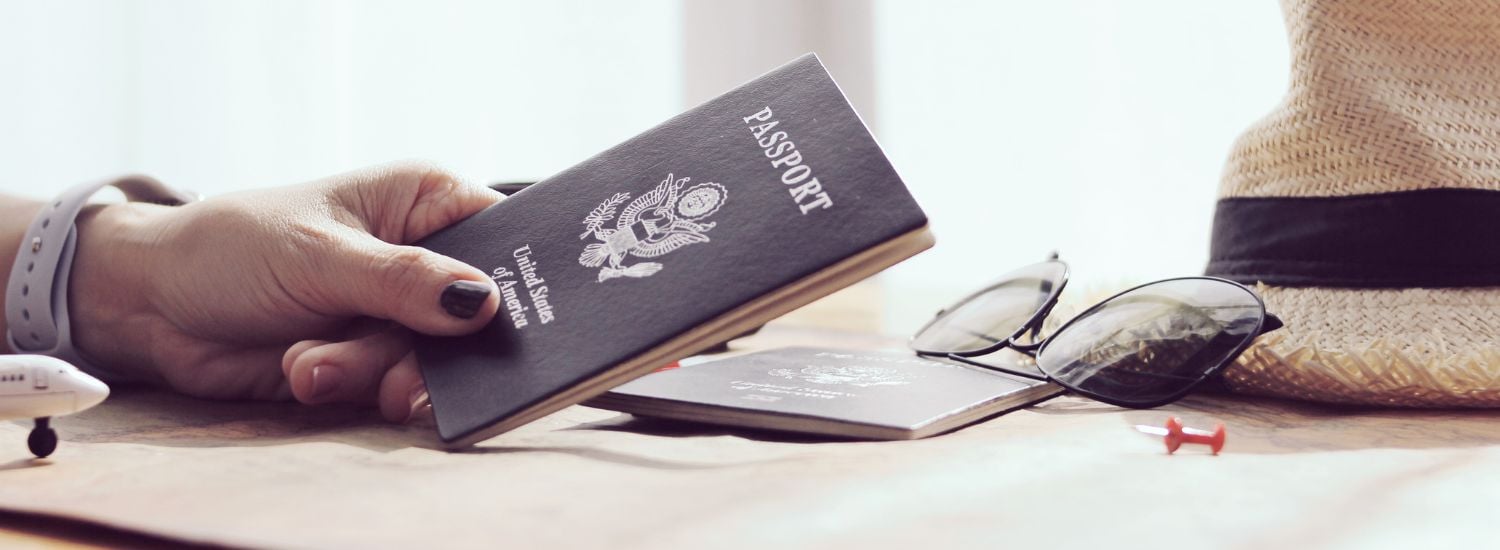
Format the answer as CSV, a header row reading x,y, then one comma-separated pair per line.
x,y
34,386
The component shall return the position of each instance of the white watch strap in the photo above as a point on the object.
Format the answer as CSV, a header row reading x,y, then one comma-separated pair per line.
x,y
36,297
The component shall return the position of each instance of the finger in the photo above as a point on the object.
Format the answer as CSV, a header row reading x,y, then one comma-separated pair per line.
x,y
421,289
249,371
403,202
295,351
421,413
227,373
359,328
402,391
348,371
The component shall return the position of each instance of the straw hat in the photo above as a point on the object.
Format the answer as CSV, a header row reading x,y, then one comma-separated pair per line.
x,y
1367,208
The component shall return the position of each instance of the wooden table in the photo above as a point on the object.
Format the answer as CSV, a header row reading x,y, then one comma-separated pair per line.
x,y
1069,473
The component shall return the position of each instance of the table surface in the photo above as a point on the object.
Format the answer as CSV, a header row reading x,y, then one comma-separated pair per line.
x,y
148,468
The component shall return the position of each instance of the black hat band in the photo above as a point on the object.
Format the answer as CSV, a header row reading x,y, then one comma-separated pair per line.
x,y
1426,238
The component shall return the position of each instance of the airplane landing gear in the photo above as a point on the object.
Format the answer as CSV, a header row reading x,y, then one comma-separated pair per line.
x,y
43,440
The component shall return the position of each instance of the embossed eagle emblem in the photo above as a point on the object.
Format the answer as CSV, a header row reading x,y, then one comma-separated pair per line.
x,y
852,375
661,220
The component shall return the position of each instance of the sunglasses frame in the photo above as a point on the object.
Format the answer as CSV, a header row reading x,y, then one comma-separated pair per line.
x,y
1033,323
1266,323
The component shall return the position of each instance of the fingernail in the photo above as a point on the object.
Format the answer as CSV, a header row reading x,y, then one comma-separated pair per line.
x,y
325,380
462,298
418,399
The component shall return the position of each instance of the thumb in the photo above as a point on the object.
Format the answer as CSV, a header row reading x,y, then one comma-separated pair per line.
x,y
423,290
404,202
376,275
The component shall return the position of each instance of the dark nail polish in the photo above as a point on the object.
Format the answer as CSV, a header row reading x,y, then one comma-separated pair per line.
x,y
462,298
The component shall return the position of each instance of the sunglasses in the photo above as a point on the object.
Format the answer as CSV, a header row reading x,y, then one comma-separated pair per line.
x,y
1144,347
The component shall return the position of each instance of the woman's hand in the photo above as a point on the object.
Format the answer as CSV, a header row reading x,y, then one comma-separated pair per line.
x,y
306,291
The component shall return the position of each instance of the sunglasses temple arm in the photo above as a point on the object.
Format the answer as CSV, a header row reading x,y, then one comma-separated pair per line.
x,y
1028,349
1022,374
1036,335
1006,370
1014,372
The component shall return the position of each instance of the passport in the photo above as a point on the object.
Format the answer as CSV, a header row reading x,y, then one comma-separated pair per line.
x,y
684,236
855,394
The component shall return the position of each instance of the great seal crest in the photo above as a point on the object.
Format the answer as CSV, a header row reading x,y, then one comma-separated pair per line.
x,y
659,221
847,375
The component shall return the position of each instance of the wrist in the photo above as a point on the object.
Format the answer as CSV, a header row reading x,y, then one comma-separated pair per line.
x,y
16,213
111,290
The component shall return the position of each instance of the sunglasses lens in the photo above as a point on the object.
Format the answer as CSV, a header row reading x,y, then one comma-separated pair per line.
x,y
994,314
1153,343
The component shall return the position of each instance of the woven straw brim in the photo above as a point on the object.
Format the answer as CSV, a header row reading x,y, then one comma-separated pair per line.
x,y
1410,347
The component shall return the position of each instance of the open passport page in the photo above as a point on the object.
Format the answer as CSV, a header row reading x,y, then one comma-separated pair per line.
x,y
710,224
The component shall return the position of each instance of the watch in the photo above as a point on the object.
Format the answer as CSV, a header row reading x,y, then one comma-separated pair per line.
x,y
36,296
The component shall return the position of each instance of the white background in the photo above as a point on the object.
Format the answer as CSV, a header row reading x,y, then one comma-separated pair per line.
x,y
1093,127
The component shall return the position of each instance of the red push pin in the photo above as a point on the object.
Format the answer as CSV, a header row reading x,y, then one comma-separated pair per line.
x,y
1174,435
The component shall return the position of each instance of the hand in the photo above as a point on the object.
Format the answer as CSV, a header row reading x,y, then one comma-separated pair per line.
x,y
304,291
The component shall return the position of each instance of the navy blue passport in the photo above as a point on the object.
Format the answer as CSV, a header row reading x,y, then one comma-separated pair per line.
x,y
718,220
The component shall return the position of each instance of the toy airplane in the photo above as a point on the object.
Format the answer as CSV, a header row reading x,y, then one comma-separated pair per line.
x,y
41,387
